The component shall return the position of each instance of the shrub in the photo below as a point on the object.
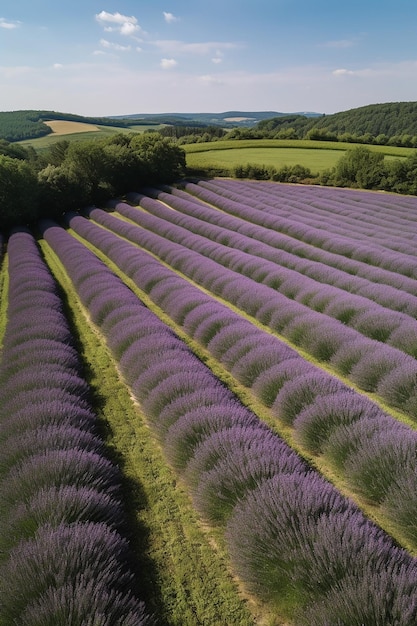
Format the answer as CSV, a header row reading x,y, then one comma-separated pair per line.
x,y
399,385
386,597
400,503
314,424
46,437
194,426
222,445
345,440
373,468
229,335
175,386
53,506
57,468
373,367
377,324
269,383
350,353
221,488
84,566
211,397
266,532
259,359
297,394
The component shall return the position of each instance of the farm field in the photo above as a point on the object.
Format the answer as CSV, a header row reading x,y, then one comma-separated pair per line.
x,y
316,160
315,155
227,369
80,131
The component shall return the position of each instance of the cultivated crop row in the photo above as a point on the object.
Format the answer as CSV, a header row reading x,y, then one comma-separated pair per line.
x,y
360,312
374,452
299,252
368,363
385,221
340,244
228,230
290,533
64,558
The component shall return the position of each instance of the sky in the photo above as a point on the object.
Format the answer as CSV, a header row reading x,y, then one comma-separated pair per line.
x,y
122,57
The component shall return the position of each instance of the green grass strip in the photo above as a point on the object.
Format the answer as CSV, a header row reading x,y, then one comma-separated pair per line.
x,y
183,569
4,287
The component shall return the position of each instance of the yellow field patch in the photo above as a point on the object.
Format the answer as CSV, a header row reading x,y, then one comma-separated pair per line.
x,y
62,127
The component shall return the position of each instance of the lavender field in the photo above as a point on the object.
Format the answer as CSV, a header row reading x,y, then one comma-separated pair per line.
x,y
267,336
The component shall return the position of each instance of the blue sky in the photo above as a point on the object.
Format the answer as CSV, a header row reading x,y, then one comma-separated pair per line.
x,y
121,57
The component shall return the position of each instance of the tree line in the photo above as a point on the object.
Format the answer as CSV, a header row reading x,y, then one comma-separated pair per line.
x,y
72,175
393,124
359,167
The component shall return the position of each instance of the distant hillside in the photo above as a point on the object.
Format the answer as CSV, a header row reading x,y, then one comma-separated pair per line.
x,y
19,125
30,124
380,121
227,119
394,122
392,118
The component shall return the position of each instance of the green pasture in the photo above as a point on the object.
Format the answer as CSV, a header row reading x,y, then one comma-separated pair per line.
x,y
315,160
316,155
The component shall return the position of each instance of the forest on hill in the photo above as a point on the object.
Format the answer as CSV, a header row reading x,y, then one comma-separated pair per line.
x,y
20,125
392,123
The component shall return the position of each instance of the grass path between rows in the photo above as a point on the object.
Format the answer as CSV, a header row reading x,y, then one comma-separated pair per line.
x,y
183,568
248,398
4,285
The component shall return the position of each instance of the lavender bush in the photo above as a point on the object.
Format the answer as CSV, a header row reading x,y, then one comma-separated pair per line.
x,y
58,489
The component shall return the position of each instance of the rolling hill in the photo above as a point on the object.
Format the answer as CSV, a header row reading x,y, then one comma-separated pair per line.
x,y
383,121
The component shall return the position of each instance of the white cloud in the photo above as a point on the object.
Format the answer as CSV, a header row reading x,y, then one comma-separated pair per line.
x,y
208,79
57,66
116,22
173,46
218,58
8,25
168,64
169,17
343,72
114,46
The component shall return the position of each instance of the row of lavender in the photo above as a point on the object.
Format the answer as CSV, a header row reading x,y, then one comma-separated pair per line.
x,y
256,209
368,363
341,213
289,251
365,216
288,531
390,223
375,453
386,288
361,312
64,558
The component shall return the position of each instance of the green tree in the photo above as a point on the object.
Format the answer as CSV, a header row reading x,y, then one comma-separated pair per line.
x,y
61,188
401,175
18,192
360,167
161,159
